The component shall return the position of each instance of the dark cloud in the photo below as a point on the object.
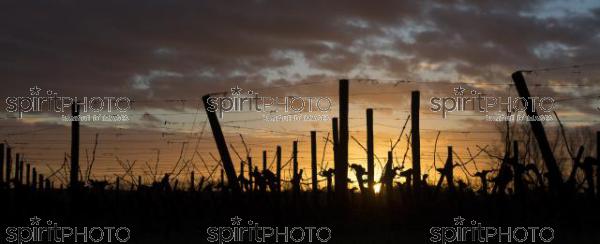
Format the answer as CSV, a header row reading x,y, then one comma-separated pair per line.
x,y
165,49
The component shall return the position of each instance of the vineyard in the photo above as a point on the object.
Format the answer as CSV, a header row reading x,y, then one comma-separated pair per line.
x,y
388,199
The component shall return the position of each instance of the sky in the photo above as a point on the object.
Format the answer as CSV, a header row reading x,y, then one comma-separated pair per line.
x,y
164,55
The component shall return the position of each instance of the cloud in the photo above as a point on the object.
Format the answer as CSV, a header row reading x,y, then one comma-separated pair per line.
x,y
143,82
184,49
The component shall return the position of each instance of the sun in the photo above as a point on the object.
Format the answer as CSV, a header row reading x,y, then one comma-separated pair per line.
x,y
377,188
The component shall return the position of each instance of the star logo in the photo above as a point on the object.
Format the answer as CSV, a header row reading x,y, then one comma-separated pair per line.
x,y
236,90
459,220
35,91
236,220
35,220
459,91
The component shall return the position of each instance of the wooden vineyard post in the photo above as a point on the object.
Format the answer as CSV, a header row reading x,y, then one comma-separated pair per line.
x,y
41,182
2,160
8,165
330,173
341,165
264,160
336,142
192,183
313,161
74,174
221,145
296,177
28,175
278,171
17,163
449,168
370,153
250,180
21,171
554,175
33,178
241,178
329,184
415,140
597,163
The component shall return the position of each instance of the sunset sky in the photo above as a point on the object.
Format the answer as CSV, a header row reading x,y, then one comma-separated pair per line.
x,y
165,55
